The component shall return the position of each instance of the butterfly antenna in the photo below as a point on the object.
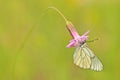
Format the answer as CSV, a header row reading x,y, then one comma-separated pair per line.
x,y
92,40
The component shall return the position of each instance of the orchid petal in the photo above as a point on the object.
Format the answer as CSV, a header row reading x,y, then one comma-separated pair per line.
x,y
71,44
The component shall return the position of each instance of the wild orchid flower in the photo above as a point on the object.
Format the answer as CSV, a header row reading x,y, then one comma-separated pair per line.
x,y
83,56
77,39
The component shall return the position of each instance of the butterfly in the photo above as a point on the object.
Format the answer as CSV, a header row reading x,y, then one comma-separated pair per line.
x,y
83,56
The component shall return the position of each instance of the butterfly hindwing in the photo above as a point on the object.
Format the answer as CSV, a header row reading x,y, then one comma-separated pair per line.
x,y
85,58
96,63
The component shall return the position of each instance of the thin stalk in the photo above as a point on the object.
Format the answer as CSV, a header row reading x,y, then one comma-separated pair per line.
x,y
54,8
20,49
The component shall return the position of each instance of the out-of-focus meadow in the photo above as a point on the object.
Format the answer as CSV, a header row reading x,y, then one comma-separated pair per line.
x,y
41,54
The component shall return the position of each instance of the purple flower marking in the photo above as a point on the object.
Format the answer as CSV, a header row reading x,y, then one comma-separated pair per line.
x,y
77,39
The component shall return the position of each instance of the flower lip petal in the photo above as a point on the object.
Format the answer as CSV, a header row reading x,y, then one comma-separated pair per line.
x,y
71,44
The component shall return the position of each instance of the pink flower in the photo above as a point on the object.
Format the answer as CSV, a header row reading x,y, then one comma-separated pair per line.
x,y
77,39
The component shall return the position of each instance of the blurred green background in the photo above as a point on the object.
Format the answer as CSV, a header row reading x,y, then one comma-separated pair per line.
x,y
44,55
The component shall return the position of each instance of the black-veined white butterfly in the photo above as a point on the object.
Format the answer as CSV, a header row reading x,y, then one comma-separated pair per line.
x,y
85,58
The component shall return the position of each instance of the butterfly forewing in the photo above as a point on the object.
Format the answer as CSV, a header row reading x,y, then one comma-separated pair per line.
x,y
85,58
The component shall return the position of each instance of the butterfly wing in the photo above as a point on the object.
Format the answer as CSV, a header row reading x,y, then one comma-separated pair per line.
x,y
85,58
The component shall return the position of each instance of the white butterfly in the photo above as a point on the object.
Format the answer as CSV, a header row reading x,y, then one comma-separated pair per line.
x,y
85,58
